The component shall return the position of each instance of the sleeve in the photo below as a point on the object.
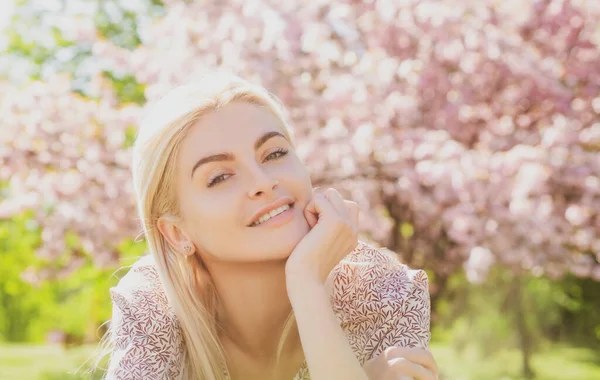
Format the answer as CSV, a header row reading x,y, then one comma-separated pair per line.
x,y
402,300
382,303
146,340
411,326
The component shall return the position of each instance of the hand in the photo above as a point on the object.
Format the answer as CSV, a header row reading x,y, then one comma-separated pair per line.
x,y
401,363
333,235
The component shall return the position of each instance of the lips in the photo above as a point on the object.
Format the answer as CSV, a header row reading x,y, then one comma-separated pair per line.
x,y
270,207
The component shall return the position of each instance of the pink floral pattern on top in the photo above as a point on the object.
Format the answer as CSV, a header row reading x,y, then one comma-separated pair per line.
x,y
378,301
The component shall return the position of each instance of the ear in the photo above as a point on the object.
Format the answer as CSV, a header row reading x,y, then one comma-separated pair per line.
x,y
176,237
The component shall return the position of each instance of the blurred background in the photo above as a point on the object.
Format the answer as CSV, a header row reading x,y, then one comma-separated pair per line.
x,y
468,131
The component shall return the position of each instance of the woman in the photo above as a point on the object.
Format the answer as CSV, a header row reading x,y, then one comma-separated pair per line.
x,y
252,274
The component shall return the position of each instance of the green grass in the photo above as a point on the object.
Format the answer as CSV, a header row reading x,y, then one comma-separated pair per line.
x,y
40,362
31,362
555,363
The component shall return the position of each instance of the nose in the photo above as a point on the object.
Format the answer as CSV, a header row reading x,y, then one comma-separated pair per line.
x,y
262,183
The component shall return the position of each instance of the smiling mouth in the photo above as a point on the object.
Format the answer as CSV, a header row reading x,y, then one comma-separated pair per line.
x,y
273,214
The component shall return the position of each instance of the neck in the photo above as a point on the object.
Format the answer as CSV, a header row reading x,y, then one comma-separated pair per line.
x,y
254,306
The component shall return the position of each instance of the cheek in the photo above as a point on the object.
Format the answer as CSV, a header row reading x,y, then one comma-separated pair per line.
x,y
299,178
210,219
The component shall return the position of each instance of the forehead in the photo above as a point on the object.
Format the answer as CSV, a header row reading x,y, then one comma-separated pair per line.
x,y
234,125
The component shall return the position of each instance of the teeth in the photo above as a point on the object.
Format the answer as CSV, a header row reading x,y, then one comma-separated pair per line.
x,y
271,214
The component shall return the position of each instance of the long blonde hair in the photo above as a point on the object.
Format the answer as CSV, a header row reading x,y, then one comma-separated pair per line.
x,y
186,282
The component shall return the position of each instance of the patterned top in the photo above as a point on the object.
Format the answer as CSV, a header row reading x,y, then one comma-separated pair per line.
x,y
379,302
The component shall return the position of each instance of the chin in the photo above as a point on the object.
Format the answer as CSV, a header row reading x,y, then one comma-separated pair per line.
x,y
277,240
283,249
281,245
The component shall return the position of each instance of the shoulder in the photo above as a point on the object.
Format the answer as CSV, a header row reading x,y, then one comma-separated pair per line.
x,y
146,337
142,273
379,301
140,302
374,273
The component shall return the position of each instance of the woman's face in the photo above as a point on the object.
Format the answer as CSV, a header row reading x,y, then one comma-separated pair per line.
x,y
233,163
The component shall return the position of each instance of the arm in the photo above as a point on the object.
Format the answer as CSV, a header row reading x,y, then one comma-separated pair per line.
x,y
332,236
327,351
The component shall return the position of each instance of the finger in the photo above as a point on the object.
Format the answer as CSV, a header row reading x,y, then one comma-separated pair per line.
x,y
319,206
336,200
416,355
405,367
310,214
353,211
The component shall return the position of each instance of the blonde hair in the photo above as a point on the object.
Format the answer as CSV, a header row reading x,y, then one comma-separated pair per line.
x,y
186,282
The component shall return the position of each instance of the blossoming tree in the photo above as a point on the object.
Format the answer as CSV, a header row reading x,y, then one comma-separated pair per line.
x,y
468,131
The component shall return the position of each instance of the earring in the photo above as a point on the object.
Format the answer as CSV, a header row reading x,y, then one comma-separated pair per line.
x,y
187,248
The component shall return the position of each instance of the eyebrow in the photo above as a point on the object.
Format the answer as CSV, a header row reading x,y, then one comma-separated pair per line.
x,y
229,156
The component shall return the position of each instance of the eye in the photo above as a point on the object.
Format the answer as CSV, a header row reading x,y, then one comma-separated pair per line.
x,y
216,180
278,153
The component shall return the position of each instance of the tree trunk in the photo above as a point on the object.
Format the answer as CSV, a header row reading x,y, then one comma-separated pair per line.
x,y
524,335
